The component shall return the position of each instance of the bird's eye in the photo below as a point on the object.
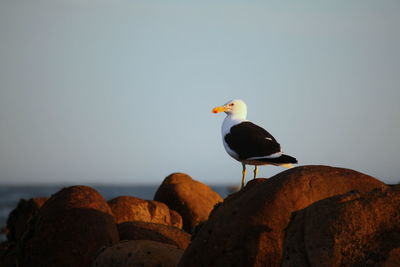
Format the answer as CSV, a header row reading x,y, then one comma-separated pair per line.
x,y
231,104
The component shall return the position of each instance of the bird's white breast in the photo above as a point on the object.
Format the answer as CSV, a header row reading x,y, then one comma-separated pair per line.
x,y
225,129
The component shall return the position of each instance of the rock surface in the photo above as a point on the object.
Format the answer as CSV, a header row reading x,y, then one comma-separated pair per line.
x,y
248,228
138,253
393,259
191,199
17,220
154,231
128,208
354,229
8,256
68,230
176,219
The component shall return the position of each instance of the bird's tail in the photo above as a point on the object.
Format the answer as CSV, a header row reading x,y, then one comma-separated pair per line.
x,y
283,160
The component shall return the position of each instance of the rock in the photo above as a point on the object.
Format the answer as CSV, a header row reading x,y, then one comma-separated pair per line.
x,y
154,231
393,260
139,253
127,208
354,229
18,218
248,228
176,219
68,230
191,199
8,254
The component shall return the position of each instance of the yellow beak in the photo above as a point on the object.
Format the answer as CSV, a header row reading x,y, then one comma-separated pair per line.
x,y
218,109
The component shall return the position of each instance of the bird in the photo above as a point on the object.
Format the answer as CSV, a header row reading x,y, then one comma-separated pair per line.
x,y
247,142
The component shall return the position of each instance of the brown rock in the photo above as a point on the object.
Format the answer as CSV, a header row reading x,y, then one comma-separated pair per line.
x,y
393,260
154,231
191,199
127,208
68,230
354,229
248,228
17,220
176,219
139,253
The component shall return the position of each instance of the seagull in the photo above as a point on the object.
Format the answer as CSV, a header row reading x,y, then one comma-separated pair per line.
x,y
247,142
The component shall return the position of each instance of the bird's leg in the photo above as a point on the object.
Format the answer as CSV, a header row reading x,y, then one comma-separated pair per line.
x,y
255,171
243,174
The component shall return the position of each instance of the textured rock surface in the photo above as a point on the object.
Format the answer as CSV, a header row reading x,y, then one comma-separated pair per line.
x,y
17,220
139,253
248,228
354,229
154,231
191,199
68,230
128,208
176,219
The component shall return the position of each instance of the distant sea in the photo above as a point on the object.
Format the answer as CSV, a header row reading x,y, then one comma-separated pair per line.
x,y
10,195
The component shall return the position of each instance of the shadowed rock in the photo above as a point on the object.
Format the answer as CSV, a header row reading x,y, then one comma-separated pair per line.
x,y
68,230
191,199
18,218
128,208
154,231
248,228
354,229
8,254
138,253
393,259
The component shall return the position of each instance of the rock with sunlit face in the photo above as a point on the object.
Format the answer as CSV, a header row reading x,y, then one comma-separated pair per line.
x,y
139,253
191,199
128,208
154,231
68,230
176,219
354,229
248,228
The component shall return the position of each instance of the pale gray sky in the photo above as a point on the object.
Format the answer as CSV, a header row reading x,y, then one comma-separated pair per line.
x,y
122,91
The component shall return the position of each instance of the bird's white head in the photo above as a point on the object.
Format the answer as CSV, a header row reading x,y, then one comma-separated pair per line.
x,y
235,108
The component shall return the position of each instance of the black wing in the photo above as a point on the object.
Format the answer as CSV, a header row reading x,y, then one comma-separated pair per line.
x,y
249,140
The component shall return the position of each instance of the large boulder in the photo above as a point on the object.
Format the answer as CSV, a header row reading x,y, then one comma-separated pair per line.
x,y
154,231
139,253
68,230
248,228
18,218
191,199
354,229
128,208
